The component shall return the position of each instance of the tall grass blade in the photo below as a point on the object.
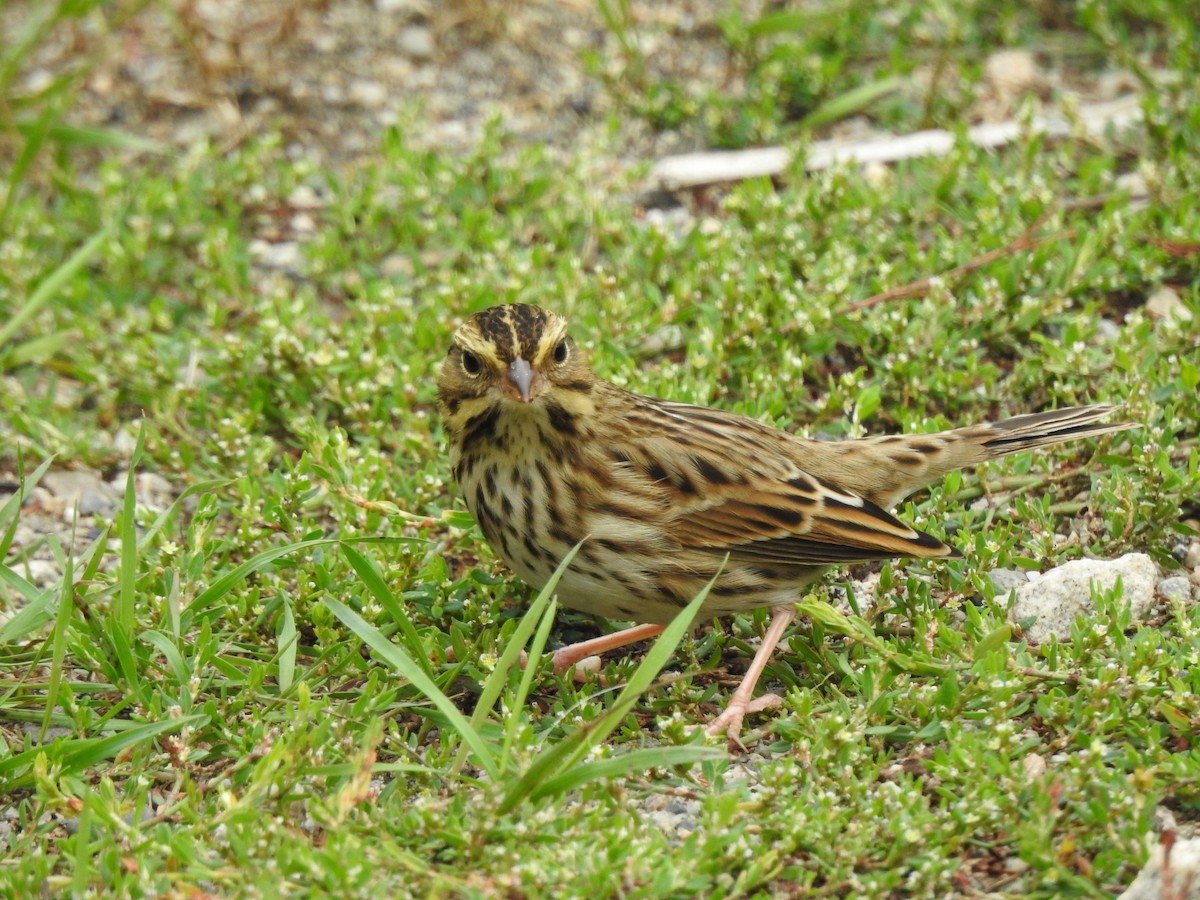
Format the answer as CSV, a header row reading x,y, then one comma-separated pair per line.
x,y
52,284
552,763
511,654
410,669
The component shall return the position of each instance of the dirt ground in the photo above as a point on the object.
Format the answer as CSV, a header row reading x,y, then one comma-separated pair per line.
x,y
332,75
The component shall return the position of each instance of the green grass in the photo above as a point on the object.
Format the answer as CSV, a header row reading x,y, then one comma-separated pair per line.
x,y
301,675
910,64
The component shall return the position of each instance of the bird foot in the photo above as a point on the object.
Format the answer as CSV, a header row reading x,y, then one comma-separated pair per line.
x,y
582,670
730,721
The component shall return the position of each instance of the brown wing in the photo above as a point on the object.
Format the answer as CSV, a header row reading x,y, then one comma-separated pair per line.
x,y
730,484
797,521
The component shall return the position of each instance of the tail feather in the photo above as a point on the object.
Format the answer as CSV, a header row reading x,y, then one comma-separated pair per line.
x,y
887,469
1042,429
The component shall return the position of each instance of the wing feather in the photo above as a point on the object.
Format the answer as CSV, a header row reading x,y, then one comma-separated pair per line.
x,y
761,506
786,525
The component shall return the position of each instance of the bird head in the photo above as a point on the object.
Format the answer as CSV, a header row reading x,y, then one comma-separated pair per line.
x,y
514,355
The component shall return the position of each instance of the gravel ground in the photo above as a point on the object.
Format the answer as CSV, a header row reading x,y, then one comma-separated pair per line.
x,y
331,76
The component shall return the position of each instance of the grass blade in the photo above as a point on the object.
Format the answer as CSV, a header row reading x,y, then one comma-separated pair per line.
x,y
288,637
495,683
127,571
851,102
410,669
561,757
223,585
58,641
526,685
623,764
11,510
372,579
78,754
51,285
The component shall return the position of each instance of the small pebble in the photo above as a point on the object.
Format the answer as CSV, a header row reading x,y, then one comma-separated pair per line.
x,y
284,255
1191,559
368,94
303,224
43,573
1007,580
416,42
1166,305
396,265
305,197
1177,589
1012,72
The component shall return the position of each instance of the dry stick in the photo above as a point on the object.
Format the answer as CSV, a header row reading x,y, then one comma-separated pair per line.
x,y
1175,248
1027,241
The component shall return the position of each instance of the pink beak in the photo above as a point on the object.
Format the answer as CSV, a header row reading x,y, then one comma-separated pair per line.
x,y
520,373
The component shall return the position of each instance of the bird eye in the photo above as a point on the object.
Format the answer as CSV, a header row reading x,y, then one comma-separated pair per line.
x,y
560,351
470,363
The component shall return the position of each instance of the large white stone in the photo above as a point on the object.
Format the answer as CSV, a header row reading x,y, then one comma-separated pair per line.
x,y
1060,595
1179,879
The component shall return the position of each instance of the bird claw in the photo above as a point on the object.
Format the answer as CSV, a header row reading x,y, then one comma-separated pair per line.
x,y
730,721
582,670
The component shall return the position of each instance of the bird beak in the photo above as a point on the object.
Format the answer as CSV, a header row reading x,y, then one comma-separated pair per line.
x,y
520,376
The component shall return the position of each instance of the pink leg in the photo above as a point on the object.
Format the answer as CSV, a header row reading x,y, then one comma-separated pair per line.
x,y
730,721
585,651
573,653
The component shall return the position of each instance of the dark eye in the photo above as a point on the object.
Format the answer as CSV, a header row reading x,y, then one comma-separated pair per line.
x,y
560,351
470,363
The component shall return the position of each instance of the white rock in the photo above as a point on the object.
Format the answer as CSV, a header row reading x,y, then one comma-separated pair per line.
x,y
416,42
1177,589
1012,72
79,490
305,197
409,7
1165,304
367,93
1005,581
124,441
1183,872
42,572
396,265
283,255
153,490
664,339
1060,595
303,224
877,174
1134,183
1192,558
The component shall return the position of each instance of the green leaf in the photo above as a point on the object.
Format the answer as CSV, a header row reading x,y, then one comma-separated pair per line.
x,y
127,573
852,102
51,285
635,761
287,639
994,640
511,654
372,579
224,584
560,757
415,673
78,754
58,642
